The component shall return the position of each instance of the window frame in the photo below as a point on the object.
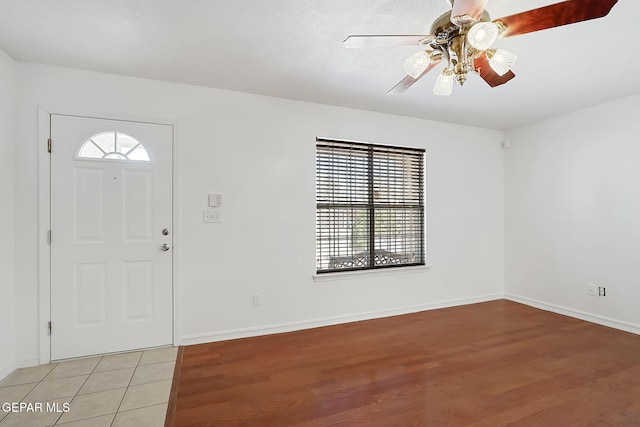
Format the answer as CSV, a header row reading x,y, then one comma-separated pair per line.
x,y
374,206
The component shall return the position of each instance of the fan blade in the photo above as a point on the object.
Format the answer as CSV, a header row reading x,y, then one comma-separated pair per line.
x,y
555,15
467,11
482,67
408,81
383,41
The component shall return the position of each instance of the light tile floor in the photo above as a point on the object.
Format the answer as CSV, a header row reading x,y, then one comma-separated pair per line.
x,y
122,390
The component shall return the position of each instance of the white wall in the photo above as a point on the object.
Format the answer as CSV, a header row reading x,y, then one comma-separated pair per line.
x,y
260,153
7,150
572,213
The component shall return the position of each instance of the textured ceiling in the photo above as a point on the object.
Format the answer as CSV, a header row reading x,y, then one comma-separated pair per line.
x,y
293,49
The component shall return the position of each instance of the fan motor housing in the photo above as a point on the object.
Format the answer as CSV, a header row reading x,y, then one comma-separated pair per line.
x,y
445,30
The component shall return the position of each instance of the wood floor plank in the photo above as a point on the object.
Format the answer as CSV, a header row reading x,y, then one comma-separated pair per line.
x,y
490,364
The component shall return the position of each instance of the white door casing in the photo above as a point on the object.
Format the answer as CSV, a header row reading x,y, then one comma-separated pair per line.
x,y
111,278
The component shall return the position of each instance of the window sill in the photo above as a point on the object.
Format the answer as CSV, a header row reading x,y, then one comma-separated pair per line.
x,y
329,277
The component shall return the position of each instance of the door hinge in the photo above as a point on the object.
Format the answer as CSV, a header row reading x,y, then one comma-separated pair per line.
x,y
49,145
49,326
49,237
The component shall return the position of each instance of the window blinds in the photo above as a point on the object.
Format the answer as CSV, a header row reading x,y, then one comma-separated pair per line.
x,y
369,206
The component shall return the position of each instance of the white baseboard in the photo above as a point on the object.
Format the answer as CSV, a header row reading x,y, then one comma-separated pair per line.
x,y
7,370
28,363
566,311
328,321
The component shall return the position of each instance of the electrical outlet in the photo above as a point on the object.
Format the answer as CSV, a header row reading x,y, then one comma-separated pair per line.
x,y
591,290
602,292
255,299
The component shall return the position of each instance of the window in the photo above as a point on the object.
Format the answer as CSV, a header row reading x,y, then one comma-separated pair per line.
x,y
113,145
369,206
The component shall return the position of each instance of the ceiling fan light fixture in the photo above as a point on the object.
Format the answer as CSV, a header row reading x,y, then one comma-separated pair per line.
x,y
444,83
483,34
463,38
417,63
501,61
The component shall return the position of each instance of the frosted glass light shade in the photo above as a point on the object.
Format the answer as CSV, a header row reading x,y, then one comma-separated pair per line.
x,y
444,83
417,63
482,35
501,61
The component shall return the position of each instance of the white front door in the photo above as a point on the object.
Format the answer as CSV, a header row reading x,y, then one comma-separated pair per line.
x,y
111,236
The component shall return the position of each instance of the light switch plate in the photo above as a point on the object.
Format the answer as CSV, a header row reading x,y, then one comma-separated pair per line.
x,y
215,200
212,216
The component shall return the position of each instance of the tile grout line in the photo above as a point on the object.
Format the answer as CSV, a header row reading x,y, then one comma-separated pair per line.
x,y
82,385
42,380
34,385
169,419
129,385
126,390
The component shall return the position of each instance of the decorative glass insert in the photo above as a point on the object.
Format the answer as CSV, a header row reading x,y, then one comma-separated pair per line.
x,y
113,145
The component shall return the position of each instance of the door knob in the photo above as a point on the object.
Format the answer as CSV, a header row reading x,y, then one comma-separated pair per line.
x,y
165,247
165,232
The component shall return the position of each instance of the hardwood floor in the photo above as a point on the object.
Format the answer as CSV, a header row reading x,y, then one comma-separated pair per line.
x,y
491,364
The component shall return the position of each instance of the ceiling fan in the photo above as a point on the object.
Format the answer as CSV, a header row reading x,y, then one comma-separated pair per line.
x,y
463,38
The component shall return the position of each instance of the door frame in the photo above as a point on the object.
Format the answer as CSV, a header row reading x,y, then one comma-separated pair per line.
x,y
44,222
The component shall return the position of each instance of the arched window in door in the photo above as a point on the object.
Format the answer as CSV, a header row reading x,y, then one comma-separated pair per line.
x,y
113,145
